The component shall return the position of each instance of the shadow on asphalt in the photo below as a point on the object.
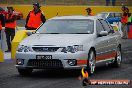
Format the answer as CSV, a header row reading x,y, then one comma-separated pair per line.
x,y
66,73
54,74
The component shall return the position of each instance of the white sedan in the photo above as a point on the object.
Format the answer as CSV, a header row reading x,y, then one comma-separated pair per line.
x,y
69,42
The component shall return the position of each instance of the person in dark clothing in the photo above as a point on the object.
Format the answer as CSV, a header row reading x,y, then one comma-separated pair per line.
x,y
129,23
10,26
113,2
2,23
107,2
35,18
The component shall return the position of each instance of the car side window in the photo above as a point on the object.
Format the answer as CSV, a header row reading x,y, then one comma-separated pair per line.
x,y
111,15
99,27
111,28
118,14
106,26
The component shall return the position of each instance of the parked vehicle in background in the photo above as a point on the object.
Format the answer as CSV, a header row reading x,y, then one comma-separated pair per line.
x,y
3,10
70,42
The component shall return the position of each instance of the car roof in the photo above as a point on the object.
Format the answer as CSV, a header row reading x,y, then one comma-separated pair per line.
x,y
76,17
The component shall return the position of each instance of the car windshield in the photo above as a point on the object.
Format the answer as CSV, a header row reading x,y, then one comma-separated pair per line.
x,y
67,26
103,15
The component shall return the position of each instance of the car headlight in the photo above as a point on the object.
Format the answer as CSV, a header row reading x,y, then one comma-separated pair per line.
x,y
22,48
72,49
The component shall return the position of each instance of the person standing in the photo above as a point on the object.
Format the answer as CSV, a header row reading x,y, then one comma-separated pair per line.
x,y
129,19
107,2
89,12
34,18
2,23
124,21
113,2
10,25
129,23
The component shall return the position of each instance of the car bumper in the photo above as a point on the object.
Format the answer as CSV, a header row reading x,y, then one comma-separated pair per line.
x,y
59,60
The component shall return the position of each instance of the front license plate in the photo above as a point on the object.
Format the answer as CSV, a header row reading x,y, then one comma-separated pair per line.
x,y
46,57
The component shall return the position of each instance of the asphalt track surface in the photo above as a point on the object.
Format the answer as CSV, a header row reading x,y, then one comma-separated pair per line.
x,y
10,78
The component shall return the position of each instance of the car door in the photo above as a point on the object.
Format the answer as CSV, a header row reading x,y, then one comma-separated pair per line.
x,y
110,38
101,42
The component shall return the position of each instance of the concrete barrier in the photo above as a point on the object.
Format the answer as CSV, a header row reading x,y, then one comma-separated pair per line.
x,y
1,56
19,36
51,11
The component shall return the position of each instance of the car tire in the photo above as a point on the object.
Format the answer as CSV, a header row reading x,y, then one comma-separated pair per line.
x,y
25,72
91,62
118,58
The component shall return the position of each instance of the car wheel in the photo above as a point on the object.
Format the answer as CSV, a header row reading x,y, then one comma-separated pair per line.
x,y
91,64
118,58
25,72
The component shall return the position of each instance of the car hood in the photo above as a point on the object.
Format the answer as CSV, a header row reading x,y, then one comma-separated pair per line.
x,y
57,39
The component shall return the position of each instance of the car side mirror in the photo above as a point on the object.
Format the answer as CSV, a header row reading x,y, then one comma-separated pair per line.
x,y
103,33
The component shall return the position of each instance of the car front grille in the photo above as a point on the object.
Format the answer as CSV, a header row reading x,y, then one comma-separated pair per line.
x,y
45,64
45,49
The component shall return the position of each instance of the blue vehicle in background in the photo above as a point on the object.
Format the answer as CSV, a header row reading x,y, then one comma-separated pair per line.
x,y
114,18
111,16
